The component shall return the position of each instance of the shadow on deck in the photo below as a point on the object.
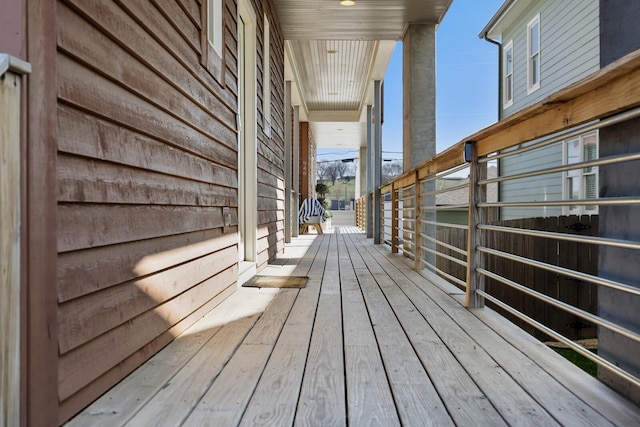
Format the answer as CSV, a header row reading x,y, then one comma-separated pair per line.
x,y
368,341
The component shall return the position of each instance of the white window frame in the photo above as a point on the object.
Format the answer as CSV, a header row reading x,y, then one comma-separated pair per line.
x,y
266,77
507,84
581,174
212,38
214,25
531,56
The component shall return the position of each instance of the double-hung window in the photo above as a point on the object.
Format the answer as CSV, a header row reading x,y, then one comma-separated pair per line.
x,y
507,72
581,183
533,55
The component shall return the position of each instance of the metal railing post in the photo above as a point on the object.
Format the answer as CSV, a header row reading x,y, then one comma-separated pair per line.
x,y
417,226
394,220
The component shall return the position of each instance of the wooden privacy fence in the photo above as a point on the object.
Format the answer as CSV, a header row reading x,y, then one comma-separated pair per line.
x,y
571,255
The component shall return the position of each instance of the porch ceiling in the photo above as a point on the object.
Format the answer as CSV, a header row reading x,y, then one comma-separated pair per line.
x,y
334,53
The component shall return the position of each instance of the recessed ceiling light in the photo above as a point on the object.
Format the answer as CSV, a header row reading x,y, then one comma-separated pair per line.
x,y
347,2
333,93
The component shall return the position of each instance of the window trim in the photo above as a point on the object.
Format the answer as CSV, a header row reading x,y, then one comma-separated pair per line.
x,y
581,209
212,54
532,87
506,103
266,76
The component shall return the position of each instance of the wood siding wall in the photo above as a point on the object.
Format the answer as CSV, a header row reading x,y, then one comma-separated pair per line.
x,y
569,51
544,187
147,159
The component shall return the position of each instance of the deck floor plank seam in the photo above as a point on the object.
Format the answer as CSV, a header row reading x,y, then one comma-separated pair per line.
x,y
466,403
322,399
275,397
369,396
413,391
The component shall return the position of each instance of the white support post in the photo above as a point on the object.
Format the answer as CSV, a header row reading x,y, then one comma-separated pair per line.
x,y
288,210
369,204
377,161
296,169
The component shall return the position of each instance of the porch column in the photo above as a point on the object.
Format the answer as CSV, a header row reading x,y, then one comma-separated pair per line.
x,y
296,169
11,71
369,161
419,112
619,35
419,94
361,181
377,160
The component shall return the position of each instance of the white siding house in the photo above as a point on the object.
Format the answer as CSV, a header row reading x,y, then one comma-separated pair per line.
x,y
545,45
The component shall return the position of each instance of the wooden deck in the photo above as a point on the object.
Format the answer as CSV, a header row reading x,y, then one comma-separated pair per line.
x,y
369,341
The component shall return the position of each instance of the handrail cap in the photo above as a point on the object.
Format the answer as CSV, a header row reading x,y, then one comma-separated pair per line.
x,y
13,64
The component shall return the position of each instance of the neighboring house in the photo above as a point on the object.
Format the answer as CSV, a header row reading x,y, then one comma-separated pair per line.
x,y
459,214
545,46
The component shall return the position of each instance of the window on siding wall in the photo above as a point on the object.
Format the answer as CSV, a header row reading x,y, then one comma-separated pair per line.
x,y
212,38
581,183
533,55
266,78
507,82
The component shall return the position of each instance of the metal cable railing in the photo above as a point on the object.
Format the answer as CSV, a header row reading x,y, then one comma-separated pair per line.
x,y
551,216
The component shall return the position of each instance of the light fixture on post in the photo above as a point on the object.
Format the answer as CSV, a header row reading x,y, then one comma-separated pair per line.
x,y
347,2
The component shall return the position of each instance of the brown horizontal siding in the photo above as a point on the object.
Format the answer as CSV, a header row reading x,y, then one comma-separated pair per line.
x,y
147,160
87,271
89,136
86,318
76,402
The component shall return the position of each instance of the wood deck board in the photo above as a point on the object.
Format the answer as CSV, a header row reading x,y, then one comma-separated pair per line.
x,y
412,388
175,400
563,406
466,402
369,397
275,398
368,341
322,399
512,402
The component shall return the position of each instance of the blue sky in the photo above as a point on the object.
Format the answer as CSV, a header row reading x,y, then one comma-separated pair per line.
x,y
466,81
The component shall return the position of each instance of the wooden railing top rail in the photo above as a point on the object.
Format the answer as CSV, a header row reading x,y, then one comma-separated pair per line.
x,y
13,64
608,91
